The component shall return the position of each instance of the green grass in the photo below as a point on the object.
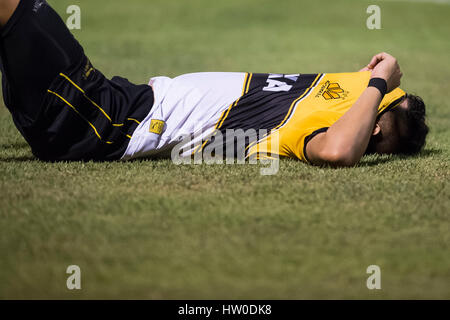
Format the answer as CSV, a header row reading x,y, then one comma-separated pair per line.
x,y
152,229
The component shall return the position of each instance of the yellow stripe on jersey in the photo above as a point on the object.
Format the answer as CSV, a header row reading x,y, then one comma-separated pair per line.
x,y
132,119
225,113
248,79
298,99
96,105
258,144
84,94
74,109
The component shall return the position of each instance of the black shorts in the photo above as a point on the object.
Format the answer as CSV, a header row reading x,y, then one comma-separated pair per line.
x,y
64,107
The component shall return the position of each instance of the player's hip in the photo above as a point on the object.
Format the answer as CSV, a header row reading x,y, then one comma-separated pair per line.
x,y
190,105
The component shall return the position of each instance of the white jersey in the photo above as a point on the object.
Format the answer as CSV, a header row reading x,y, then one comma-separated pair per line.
x,y
188,105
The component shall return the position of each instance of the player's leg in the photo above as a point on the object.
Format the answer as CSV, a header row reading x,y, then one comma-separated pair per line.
x,y
35,46
64,107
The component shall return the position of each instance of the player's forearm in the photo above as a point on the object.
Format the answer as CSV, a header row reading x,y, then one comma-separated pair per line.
x,y
347,139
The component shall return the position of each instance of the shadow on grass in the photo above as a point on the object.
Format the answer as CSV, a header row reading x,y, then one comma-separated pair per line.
x,y
18,159
16,147
368,161
374,160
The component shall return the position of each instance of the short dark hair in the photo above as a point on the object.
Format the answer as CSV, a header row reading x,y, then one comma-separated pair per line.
x,y
414,140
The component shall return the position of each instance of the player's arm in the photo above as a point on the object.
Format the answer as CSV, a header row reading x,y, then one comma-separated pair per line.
x,y
346,141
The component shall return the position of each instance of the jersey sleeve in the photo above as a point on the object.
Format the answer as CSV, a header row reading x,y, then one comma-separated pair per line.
x,y
316,123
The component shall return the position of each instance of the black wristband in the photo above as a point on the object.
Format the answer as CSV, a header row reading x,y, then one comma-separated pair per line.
x,y
380,84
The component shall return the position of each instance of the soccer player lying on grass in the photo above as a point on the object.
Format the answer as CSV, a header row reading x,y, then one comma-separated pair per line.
x,y
67,110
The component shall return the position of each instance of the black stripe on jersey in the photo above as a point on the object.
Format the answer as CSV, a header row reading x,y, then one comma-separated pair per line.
x,y
224,115
288,116
303,95
259,109
245,88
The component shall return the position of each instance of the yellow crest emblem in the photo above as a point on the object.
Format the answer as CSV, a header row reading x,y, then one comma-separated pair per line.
x,y
332,91
156,126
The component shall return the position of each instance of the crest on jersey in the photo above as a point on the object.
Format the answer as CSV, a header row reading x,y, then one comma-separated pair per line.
x,y
332,91
88,69
156,126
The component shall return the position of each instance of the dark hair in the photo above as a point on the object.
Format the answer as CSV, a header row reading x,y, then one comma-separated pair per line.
x,y
414,140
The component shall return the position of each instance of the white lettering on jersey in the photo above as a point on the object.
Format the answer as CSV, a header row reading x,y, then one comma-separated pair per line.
x,y
278,85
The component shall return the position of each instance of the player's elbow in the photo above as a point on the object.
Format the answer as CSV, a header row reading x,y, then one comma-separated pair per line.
x,y
339,157
332,150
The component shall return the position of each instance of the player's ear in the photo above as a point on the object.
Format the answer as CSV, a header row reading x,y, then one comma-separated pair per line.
x,y
376,129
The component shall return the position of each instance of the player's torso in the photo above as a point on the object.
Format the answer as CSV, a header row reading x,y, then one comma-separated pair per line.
x,y
323,100
311,104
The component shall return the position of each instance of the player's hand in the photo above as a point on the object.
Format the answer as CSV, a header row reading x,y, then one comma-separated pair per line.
x,y
385,66
366,68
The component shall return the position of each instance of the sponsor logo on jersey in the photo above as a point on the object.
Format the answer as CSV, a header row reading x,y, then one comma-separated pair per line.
x,y
332,90
156,126
88,69
38,4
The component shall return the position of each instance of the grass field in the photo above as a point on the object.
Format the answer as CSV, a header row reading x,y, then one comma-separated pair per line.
x,y
152,229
